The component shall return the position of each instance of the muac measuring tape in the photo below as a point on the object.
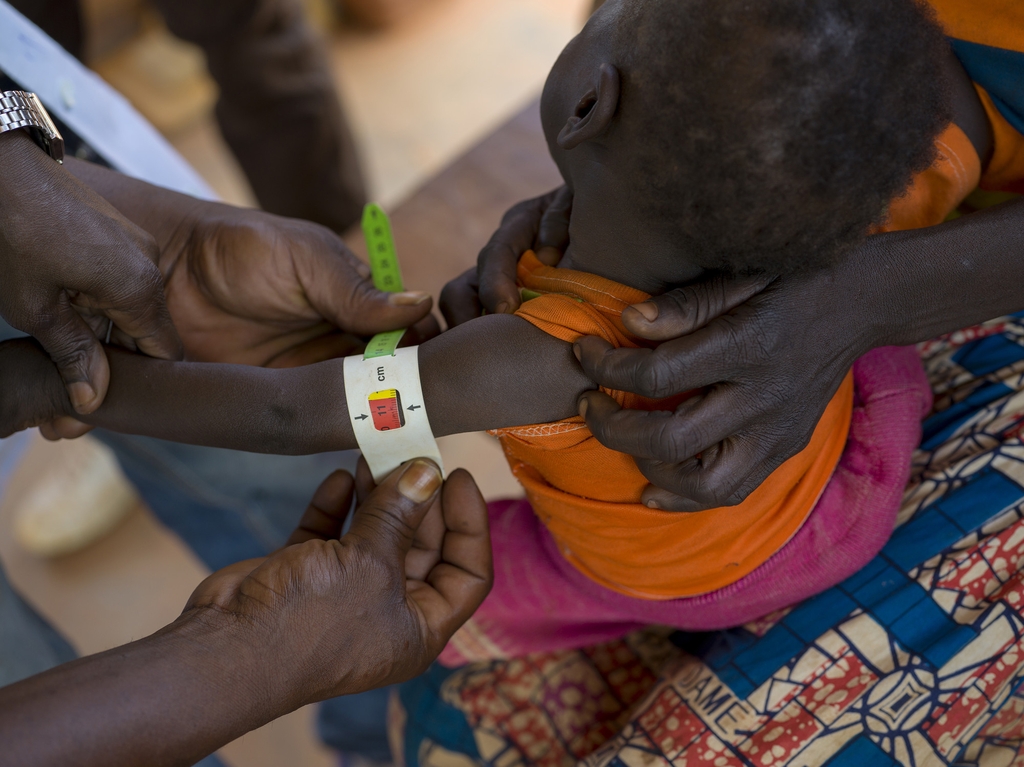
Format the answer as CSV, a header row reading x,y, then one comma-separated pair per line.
x,y
385,400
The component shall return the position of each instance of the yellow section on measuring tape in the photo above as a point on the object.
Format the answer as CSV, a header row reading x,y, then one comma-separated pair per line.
x,y
387,277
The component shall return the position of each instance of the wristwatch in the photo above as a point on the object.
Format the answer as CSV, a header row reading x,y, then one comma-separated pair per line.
x,y
23,110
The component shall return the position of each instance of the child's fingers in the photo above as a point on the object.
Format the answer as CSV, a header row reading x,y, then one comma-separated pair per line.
x,y
553,234
496,264
421,332
460,299
326,513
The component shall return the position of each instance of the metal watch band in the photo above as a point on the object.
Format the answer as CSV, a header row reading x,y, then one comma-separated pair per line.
x,y
22,110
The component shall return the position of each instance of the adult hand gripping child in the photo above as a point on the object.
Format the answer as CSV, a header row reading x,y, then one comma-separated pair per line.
x,y
88,253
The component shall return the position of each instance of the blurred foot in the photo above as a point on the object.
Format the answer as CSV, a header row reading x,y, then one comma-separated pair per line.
x,y
77,502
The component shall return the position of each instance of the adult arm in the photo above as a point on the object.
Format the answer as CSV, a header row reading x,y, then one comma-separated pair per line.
x,y
246,286
325,616
70,264
774,361
494,372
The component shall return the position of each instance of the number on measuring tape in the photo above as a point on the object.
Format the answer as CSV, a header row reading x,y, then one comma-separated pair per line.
x,y
386,410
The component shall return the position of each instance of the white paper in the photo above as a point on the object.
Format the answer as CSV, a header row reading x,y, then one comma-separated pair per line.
x,y
101,116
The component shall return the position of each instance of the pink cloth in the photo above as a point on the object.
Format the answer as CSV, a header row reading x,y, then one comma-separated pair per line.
x,y
541,603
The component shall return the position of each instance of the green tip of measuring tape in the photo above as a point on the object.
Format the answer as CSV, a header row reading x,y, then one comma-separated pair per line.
x,y
380,247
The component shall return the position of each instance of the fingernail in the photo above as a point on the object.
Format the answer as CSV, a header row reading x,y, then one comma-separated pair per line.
x,y
578,352
410,298
364,270
648,310
549,256
583,407
82,396
503,308
653,505
420,481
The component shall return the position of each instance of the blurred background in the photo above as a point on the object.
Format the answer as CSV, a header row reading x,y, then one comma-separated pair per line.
x,y
421,81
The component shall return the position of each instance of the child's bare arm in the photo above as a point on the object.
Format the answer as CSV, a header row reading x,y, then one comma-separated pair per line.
x,y
493,372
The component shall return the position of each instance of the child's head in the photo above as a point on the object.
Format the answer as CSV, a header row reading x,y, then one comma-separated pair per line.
x,y
749,135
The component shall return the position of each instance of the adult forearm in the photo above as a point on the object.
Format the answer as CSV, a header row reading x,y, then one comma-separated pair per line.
x,y
926,282
168,699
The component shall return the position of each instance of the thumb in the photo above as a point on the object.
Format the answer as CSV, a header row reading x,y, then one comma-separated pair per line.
x,y
372,311
389,518
78,355
690,308
348,299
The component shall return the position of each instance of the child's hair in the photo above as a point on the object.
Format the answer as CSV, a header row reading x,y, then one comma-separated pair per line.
x,y
777,132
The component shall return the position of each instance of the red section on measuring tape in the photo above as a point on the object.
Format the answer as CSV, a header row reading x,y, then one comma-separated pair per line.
x,y
386,410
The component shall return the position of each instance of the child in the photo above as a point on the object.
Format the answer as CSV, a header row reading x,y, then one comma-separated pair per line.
x,y
697,136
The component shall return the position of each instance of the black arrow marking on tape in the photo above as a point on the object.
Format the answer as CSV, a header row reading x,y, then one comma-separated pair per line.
x,y
413,407
362,417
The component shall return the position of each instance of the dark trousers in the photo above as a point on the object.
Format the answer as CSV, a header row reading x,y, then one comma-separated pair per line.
x,y
278,109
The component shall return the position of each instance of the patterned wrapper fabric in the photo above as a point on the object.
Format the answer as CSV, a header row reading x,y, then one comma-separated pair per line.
x,y
915,660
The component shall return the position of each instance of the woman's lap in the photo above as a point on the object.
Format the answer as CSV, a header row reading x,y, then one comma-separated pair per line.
x,y
914,660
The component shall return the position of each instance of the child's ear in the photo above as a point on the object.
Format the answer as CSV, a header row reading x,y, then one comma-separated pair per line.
x,y
593,113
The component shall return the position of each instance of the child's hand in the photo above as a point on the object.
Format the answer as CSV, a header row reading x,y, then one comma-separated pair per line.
x,y
460,299
31,390
541,224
